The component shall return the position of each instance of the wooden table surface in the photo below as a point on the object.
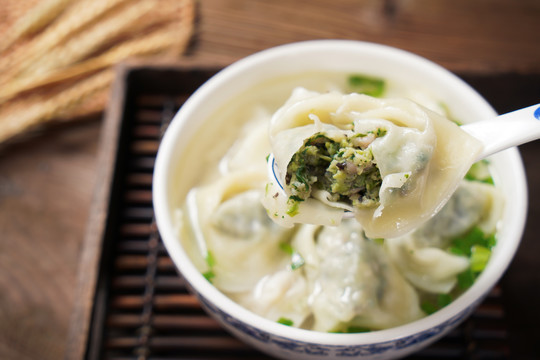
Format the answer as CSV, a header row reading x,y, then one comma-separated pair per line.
x,y
47,179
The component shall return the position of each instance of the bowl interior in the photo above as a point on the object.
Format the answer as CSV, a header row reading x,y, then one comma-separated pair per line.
x,y
343,56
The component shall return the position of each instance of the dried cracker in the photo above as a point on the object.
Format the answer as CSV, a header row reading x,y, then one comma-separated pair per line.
x,y
65,71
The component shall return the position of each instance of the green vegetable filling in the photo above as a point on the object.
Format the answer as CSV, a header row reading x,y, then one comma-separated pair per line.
x,y
344,167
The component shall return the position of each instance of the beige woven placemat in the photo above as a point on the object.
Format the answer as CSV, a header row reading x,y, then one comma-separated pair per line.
x,y
56,56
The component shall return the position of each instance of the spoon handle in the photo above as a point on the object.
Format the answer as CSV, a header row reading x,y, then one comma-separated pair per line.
x,y
507,130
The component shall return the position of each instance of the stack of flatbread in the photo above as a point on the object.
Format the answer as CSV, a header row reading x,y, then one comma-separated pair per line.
x,y
56,56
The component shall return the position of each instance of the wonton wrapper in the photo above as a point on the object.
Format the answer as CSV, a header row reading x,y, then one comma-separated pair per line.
x,y
352,281
422,256
283,294
226,218
251,148
346,281
414,133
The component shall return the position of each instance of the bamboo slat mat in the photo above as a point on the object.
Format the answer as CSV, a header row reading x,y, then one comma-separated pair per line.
x,y
133,303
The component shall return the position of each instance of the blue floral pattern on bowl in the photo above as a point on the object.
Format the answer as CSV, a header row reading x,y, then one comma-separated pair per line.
x,y
383,350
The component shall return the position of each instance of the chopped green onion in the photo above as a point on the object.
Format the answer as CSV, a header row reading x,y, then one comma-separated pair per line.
x,y
443,300
490,241
210,259
477,247
209,275
368,85
466,279
479,171
456,251
357,329
462,245
479,258
428,307
285,321
351,330
287,248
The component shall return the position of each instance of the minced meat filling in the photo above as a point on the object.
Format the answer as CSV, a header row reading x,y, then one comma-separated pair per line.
x,y
344,167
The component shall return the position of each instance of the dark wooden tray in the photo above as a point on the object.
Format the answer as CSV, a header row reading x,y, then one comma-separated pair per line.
x,y
133,305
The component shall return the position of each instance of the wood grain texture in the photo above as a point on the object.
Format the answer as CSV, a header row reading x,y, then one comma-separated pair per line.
x,y
462,35
90,252
47,180
45,190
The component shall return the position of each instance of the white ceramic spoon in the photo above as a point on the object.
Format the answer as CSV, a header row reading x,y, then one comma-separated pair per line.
x,y
507,130
503,132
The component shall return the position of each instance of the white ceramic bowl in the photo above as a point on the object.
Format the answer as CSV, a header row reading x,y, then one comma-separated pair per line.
x,y
323,55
